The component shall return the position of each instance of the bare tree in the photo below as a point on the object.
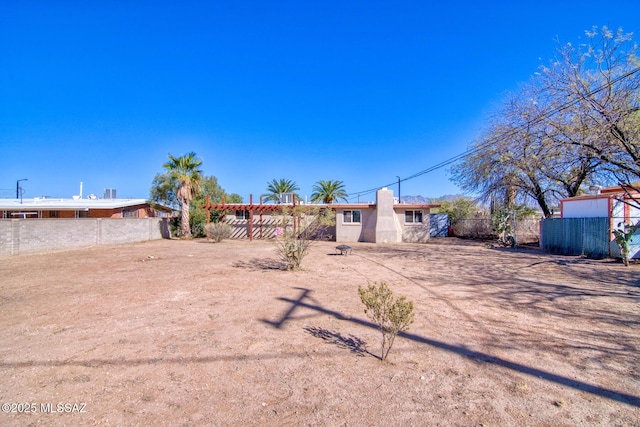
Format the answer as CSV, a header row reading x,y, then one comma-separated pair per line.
x,y
516,161
600,81
576,123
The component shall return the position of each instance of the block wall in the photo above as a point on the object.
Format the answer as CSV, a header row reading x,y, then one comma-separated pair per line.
x,y
21,236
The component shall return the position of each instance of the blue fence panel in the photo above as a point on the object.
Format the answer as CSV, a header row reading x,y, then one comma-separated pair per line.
x,y
439,225
596,237
576,236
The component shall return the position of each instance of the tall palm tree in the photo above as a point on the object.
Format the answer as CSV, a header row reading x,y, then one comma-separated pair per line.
x,y
184,170
328,192
277,187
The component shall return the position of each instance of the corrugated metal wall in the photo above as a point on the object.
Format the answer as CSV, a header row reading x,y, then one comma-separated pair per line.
x,y
576,236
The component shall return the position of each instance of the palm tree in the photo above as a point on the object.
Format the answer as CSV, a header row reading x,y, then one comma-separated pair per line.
x,y
328,192
277,187
185,172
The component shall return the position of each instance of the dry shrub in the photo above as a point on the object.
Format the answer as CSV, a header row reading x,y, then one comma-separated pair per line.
x,y
218,231
390,314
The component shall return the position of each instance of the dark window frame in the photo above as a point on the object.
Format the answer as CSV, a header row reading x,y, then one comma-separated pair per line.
x,y
242,214
413,216
352,216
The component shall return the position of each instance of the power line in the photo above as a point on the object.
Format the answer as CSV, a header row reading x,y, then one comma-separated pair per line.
x,y
501,136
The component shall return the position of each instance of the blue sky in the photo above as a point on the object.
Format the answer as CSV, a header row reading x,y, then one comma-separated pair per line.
x,y
100,92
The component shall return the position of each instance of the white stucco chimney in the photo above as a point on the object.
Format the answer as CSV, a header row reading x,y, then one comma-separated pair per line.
x,y
388,229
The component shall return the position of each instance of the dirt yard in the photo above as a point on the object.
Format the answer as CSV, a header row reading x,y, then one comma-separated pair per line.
x,y
188,333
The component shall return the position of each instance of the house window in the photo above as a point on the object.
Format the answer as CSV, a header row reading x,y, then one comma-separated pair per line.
x,y
52,214
130,213
351,217
240,214
413,217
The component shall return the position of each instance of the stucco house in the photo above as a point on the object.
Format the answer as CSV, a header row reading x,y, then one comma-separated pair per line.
x,y
384,221
48,207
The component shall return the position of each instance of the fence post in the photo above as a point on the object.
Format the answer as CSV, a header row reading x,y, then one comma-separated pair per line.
x,y
584,230
251,217
515,231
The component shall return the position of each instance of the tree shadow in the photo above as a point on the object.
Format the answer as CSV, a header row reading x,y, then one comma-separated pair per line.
x,y
461,350
351,342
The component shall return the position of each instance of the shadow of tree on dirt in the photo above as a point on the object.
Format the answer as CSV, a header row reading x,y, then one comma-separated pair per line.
x,y
257,264
351,342
460,350
508,270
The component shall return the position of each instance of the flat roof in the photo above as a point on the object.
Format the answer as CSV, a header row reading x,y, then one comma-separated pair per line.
x,y
52,203
277,207
602,195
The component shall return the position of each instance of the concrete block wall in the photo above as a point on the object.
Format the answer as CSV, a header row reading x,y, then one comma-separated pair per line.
x,y
6,238
21,236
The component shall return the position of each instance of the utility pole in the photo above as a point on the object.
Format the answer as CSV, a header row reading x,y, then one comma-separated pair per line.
x,y
19,189
398,189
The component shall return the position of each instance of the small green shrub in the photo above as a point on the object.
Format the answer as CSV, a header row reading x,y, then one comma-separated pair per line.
x,y
218,231
174,226
390,314
623,235
502,225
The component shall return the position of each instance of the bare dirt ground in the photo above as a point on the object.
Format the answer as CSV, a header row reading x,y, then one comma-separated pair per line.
x,y
195,333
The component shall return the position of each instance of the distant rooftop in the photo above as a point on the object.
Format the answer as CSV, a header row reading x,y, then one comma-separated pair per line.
x,y
54,203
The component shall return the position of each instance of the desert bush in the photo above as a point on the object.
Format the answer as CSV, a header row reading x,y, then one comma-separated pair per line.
x,y
505,222
390,314
218,231
457,208
299,228
174,226
196,224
